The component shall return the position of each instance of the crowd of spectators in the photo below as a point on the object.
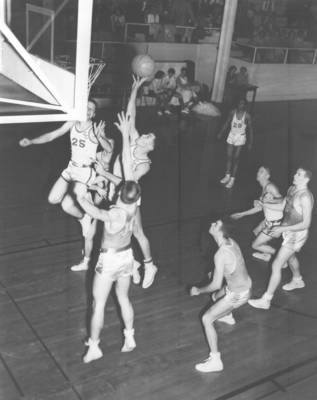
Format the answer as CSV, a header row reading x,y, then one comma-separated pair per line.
x,y
163,17
277,23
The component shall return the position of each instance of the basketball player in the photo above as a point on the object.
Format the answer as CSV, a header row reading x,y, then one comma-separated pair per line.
x,y
85,138
115,263
272,204
241,125
140,146
294,229
229,266
102,165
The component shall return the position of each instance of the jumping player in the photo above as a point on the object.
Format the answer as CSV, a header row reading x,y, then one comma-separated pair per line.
x,y
272,204
140,147
294,229
85,138
229,266
241,125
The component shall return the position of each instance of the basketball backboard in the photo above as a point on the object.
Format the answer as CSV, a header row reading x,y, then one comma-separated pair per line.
x,y
36,36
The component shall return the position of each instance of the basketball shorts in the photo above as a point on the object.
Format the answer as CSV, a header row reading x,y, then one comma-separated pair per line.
x,y
76,173
115,265
267,228
295,240
236,300
236,139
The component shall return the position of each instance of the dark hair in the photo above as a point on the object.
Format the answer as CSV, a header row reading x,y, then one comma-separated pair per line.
x,y
171,71
226,227
130,192
242,99
159,75
184,69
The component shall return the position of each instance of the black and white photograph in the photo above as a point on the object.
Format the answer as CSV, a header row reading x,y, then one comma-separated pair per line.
x,y
158,169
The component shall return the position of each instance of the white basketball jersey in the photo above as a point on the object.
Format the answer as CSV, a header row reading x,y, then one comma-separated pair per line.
x,y
238,126
83,145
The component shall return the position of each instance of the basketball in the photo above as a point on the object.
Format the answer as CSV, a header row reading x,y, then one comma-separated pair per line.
x,y
143,66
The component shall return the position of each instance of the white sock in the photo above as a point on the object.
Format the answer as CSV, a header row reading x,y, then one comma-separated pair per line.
x,y
215,354
297,278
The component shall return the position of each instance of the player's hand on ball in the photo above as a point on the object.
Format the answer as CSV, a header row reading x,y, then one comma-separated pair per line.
x,y
194,291
25,142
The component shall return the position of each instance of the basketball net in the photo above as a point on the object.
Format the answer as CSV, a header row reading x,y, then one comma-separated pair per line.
x,y
96,65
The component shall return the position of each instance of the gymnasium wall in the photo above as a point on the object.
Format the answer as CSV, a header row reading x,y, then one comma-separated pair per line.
x,y
282,81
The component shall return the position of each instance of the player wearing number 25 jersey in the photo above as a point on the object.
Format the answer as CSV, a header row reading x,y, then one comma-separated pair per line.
x,y
83,155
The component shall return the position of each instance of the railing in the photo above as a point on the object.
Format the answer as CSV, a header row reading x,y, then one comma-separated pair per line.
x,y
144,32
276,54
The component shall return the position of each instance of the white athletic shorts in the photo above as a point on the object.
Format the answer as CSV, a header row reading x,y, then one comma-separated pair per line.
x,y
237,299
115,265
236,140
295,240
83,174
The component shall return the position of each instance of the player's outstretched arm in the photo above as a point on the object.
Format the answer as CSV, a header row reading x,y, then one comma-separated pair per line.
x,y
124,126
131,108
47,137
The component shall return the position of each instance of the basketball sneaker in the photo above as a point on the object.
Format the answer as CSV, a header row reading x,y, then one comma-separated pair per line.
x,y
83,265
129,342
136,278
295,283
94,352
230,183
212,364
262,302
225,179
150,271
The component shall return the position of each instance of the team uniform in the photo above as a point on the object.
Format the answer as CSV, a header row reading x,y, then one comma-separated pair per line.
x,y
84,145
116,256
293,214
237,135
136,162
238,282
272,217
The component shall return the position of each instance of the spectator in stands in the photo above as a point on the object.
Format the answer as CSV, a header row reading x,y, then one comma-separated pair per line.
x,y
242,78
182,15
118,22
158,90
231,77
188,96
169,84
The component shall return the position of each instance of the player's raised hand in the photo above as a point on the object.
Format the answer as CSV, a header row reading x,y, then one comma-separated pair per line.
x,y
124,123
137,82
25,142
100,128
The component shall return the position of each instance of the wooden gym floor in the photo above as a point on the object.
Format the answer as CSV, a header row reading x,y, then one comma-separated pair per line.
x,y
269,355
